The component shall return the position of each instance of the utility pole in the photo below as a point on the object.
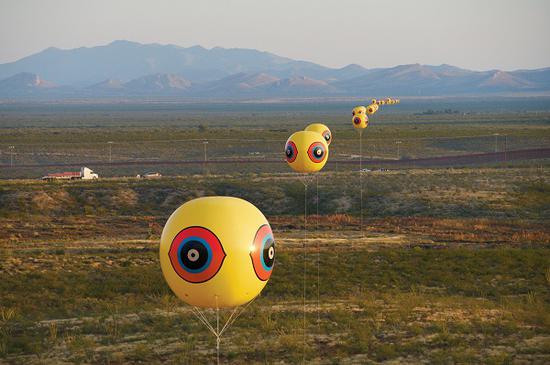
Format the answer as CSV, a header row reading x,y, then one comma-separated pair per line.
x,y
11,155
204,143
496,146
110,143
505,149
398,143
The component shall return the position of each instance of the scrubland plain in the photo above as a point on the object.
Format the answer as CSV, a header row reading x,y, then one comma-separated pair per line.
x,y
452,266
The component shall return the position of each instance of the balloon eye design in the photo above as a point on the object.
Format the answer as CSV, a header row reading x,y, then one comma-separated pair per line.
x,y
357,120
326,134
196,254
291,151
262,252
316,152
353,112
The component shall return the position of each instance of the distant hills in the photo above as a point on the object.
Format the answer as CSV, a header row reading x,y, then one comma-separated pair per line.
x,y
124,69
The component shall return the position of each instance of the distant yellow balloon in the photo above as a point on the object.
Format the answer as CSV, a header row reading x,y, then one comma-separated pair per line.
x,y
321,128
217,252
306,151
374,101
360,118
371,109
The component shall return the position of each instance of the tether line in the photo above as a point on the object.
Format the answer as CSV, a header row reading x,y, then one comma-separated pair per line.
x,y
318,259
304,247
361,180
237,311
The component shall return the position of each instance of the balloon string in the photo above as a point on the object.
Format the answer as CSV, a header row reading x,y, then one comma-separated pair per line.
x,y
237,311
305,181
361,179
230,320
217,331
305,269
318,259
200,316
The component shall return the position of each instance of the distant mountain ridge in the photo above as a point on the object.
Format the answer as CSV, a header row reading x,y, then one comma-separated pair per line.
x,y
127,69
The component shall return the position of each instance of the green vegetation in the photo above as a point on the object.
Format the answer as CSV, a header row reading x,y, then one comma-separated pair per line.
x,y
391,303
444,193
453,266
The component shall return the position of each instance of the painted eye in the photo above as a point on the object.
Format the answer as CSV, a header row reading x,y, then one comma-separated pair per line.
x,y
291,151
196,254
357,120
353,112
316,152
326,134
262,252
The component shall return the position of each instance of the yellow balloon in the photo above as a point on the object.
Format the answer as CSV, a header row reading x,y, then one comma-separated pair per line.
x,y
321,128
217,252
360,118
371,109
374,101
306,151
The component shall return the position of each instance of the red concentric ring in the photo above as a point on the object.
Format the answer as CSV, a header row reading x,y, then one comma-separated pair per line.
x,y
325,134
259,252
212,245
292,145
311,154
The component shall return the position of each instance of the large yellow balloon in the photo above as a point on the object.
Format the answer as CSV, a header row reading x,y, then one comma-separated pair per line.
x,y
306,151
371,109
360,118
217,252
321,128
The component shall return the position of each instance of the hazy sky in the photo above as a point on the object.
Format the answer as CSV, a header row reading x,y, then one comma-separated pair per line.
x,y
480,34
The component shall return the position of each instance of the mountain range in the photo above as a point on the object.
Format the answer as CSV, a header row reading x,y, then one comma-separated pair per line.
x,y
128,69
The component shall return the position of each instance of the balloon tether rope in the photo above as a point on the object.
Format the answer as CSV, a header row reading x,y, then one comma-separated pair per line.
x,y
235,313
304,247
318,259
361,181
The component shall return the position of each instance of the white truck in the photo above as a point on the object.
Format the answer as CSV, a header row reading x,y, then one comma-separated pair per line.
x,y
84,174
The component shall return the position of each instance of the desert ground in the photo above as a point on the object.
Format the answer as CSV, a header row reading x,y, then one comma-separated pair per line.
x,y
452,265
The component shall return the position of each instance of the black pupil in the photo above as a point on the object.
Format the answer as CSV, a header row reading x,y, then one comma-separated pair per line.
x,y
289,151
270,244
318,151
327,136
194,255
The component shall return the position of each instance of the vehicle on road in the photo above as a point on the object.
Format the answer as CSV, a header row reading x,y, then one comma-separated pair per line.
x,y
84,174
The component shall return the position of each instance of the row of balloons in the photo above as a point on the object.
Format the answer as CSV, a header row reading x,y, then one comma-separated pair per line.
x,y
207,233
219,251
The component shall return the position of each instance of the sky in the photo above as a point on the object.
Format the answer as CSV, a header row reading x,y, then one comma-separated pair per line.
x,y
478,35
